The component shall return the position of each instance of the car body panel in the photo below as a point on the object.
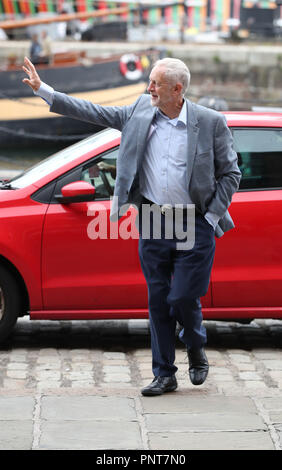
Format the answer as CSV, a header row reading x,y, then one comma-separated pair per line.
x,y
22,222
248,260
79,272
251,119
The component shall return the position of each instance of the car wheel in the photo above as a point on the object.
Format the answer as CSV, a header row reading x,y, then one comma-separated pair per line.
x,y
9,303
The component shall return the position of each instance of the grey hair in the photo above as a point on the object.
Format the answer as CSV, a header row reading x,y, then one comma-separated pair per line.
x,y
176,71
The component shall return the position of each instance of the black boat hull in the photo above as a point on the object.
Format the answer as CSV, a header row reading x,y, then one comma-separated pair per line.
x,y
60,131
87,75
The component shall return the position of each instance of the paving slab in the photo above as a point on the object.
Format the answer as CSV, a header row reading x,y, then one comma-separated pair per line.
x,y
211,441
179,402
16,408
16,435
86,435
89,422
16,423
204,422
272,403
83,408
276,416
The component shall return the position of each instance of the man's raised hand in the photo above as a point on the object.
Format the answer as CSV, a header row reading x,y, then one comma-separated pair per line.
x,y
34,80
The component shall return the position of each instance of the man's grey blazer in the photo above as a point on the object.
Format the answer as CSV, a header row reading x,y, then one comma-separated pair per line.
x,y
212,170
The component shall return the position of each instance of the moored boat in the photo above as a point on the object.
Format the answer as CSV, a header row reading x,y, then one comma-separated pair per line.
x,y
113,80
73,71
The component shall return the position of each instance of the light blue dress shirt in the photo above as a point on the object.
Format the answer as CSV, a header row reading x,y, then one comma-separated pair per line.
x,y
163,177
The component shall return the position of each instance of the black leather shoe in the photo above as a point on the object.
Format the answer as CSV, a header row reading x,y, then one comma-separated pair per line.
x,y
198,365
159,386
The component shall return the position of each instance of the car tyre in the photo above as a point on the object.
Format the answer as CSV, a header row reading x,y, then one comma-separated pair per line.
x,y
9,303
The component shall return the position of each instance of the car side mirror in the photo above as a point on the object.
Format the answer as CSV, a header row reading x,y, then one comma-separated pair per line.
x,y
78,191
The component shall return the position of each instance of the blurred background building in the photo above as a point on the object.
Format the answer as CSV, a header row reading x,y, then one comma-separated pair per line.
x,y
228,18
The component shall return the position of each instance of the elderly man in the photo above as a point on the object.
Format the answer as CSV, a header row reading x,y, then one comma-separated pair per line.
x,y
172,153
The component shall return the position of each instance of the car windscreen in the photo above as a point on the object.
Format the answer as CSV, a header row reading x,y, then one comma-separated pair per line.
x,y
259,153
56,161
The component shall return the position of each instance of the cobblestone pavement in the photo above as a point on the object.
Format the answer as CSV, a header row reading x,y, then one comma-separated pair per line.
x,y
50,364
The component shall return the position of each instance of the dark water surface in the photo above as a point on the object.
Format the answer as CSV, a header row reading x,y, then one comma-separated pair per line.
x,y
20,158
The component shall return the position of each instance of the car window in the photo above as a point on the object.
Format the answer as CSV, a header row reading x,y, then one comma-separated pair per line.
x,y
259,157
102,174
62,157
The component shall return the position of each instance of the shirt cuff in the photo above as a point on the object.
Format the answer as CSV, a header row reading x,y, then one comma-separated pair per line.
x,y
212,219
45,92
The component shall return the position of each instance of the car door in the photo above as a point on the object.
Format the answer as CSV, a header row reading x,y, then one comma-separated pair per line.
x,y
87,265
247,270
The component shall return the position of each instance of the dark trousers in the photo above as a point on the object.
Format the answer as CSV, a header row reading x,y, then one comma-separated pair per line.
x,y
176,280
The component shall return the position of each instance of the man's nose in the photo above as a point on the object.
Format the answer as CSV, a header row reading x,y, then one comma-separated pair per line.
x,y
150,87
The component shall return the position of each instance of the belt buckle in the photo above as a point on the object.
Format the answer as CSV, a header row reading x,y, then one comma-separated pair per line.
x,y
166,207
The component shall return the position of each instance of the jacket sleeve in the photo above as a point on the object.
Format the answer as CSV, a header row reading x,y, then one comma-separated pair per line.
x,y
108,116
227,172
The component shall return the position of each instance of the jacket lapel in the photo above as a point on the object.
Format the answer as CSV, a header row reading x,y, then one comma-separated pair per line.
x,y
143,132
193,133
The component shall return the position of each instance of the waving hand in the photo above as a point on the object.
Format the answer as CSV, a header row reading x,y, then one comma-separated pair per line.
x,y
34,80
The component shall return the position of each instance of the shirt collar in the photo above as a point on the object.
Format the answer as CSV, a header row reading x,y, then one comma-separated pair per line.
x,y
183,114
181,118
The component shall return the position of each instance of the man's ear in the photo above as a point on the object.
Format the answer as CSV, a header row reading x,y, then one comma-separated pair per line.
x,y
178,87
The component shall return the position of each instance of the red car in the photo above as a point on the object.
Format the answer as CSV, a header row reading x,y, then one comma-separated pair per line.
x,y
54,266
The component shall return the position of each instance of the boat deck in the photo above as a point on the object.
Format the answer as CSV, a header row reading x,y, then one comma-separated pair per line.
x,y
35,108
